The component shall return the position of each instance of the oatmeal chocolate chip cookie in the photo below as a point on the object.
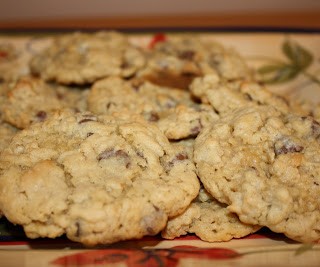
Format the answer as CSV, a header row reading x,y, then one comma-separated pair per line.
x,y
7,132
185,145
114,94
173,110
265,166
178,60
96,182
81,58
209,219
12,64
31,100
226,96
185,121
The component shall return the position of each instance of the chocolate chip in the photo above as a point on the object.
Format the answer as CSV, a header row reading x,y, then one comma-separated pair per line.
x,y
124,65
136,84
187,55
315,127
173,80
178,157
248,97
182,156
115,153
106,154
87,118
41,115
153,117
195,130
140,154
89,134
60,96
285,146
109,104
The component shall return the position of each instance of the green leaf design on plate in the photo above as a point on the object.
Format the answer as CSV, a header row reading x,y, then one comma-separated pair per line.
x,y
298,55
278,73
304,248
298,60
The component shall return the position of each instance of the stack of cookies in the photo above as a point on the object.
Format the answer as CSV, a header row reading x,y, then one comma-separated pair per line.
x,y
103,140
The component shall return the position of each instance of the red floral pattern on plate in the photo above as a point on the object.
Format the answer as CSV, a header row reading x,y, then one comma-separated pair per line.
x,y
145,257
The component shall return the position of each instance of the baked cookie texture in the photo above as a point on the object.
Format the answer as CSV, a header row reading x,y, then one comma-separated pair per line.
x,y
264,165
97,183
12,64
172,110
105,141
225,96
179,59
30,100
208,219
82,58
7,132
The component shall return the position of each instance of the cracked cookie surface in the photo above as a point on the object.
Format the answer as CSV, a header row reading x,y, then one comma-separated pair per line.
x,y
172,110
208,219
30,99
225,96
82,58
177,60
96,182
265,166
12,65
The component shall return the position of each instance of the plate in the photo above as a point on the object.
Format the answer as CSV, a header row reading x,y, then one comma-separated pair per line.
x,y
264,248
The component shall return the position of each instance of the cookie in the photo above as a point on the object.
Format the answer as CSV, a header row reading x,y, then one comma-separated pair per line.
x,y
31,100
185,121
6,134
96,182
226,96
12,65
264,165
177,60
172,110
82,58
209,219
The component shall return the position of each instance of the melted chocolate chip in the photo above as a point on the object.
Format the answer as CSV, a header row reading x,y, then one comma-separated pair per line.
x,y
60,96
285,146
87,118
41,115
187,55
315,128
109,104
167,79
153,117
179,157
248,97
124,65
195,130
115,153
89,134
136,84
